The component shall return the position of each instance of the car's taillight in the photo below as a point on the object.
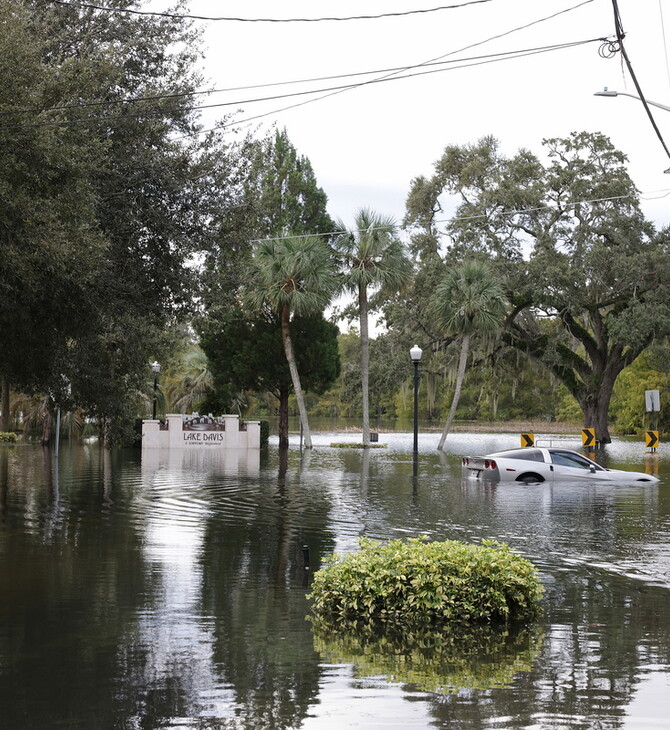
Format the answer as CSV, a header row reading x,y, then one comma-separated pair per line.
x,y
466,461
489,464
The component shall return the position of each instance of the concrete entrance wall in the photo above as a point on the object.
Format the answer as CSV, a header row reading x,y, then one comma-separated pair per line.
x,y
187,432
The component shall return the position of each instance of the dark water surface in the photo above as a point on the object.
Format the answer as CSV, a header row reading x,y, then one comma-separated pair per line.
x,y
165,592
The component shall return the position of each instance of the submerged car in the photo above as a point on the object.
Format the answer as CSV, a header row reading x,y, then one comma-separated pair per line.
x,y
533,465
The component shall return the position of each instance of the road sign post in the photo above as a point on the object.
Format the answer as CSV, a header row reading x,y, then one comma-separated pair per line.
x,y
652,439
527,439
588,437
652,401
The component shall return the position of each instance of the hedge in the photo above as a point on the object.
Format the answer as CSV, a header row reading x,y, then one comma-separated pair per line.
x,y
419,583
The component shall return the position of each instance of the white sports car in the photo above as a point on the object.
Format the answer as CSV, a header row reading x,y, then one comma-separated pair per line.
x,y
532,465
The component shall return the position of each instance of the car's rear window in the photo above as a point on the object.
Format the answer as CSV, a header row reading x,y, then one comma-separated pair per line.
x,y
525,454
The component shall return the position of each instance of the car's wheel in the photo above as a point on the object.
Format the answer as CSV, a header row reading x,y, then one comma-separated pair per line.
x,y
530,478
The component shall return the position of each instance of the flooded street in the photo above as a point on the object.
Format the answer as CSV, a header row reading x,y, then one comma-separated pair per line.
x,y
170,591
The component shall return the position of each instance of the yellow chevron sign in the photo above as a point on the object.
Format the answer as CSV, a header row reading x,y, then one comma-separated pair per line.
x,y
527,439
588,437
652,439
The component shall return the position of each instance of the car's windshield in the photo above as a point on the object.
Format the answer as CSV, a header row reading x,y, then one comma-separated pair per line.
x,y
569,458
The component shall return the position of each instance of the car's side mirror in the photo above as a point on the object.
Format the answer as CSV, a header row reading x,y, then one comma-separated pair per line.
x,y
592,469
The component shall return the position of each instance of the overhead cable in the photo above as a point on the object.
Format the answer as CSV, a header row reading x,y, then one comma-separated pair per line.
x,y
207,92
237,122
457,218
478,61
424,63
184,16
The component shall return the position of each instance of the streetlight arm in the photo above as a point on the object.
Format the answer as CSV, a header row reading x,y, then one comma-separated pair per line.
x,y
607,92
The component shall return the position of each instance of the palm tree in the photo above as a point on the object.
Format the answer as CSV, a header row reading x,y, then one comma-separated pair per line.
x,y
372,256
189,381
469,301
293,276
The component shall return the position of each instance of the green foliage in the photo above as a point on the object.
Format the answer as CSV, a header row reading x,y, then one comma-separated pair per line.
x,y
435,660
8,438
247,354
294,274
187,381
103,211
416,583
649,372
372,256
50,247
586,276
568,409
470,299
284,191
265,432
388,371
273,193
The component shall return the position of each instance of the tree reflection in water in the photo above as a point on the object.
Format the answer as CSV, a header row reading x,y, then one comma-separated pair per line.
x,y
155,596
442,660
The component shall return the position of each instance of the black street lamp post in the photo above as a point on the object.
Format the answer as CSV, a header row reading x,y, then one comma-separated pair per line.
x,y
415,353
156,367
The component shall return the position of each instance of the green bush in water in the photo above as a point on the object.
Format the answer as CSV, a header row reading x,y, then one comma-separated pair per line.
x,y
9,438
265,432
419,583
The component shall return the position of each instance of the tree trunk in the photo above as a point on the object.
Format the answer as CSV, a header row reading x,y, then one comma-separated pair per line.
x,y
4,406
596,403
283,418
47,428
595,410
365,362
462,362
295,377
431,392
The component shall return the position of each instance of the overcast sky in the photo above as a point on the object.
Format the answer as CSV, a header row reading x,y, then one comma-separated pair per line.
x,y
367,143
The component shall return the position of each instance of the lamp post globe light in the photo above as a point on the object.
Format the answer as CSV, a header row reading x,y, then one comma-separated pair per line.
x,y
415,355
156,367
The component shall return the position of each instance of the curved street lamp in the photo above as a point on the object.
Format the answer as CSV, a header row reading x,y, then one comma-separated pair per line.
x,y
608,92
415,354
156,367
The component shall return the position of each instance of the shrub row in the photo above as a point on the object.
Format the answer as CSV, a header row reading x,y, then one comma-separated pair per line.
x,y
415,582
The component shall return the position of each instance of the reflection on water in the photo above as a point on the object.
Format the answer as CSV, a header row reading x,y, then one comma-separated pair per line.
x,y
168,590
438,661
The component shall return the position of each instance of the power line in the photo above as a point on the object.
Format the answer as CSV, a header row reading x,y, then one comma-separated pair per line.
x,y
478,61
620,34
201,92
330,92
180,16
467,61
451,53
456,218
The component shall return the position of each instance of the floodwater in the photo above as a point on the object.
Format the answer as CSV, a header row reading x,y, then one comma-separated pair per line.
x,y
170,592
